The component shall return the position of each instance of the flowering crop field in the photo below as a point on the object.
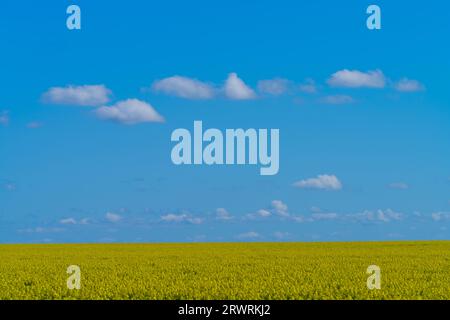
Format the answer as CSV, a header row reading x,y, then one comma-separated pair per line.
x,y
409,270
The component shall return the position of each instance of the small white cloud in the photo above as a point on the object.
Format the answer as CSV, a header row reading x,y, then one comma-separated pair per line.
x,y
440,216
399,185
184,87
85,95
41,230
280,208
131,111
273,87
68,221
324,216
357,79
177,218
309,86
376,216
223,214
315,210
249,235
83,221
113,217
236,89
263,213
299,219
408,85
337,99
323,181
4,118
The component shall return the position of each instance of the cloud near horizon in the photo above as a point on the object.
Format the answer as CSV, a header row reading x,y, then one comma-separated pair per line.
x,y
323,181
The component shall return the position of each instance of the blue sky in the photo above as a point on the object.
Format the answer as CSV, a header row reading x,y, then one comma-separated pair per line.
x,y
364,119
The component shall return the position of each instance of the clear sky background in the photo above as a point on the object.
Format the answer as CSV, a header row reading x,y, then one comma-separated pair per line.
x,y
364,119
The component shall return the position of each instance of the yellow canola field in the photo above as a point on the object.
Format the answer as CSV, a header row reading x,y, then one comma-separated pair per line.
x,y
409,270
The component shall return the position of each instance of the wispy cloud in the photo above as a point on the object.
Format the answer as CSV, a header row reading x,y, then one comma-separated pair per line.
x,y
440,216
337,99
84,95
357,79
275,87
399,185
223,214
323,181
131,111
84,221
9,186
178,218
113,217
375,216
408,85
184,87
34,125
279,235
309,86
4,118
41,230
248,235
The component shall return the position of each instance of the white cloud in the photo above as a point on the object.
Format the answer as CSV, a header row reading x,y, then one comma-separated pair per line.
x,y
323,181
85,95
408,85
263,213
184,87
236,89
357,79
177,218
440,216
280,208
309,86
324,216
223,214
68,221
131,111
83,221
273,87
113,217
4,118
399,185
337,99
249,235
41,230
299,219
374,216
